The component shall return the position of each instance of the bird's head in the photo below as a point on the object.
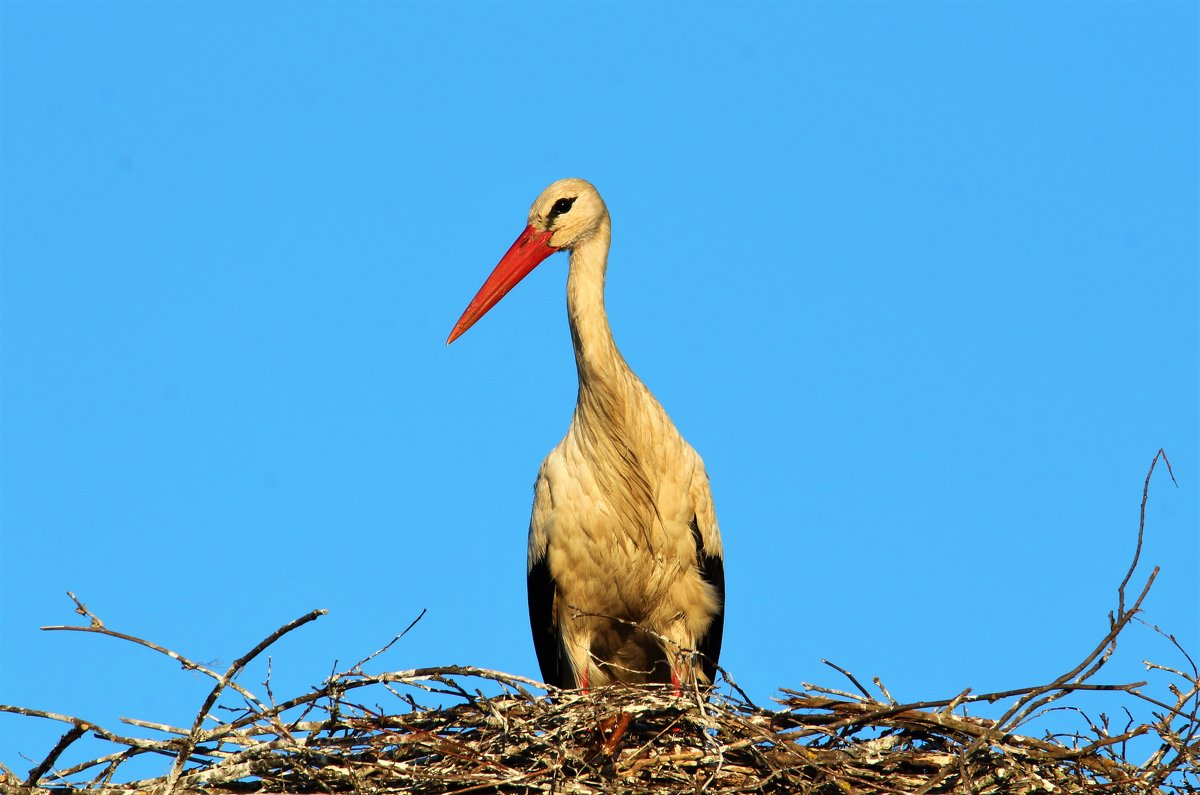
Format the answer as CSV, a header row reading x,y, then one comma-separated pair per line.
x,y
567,214
571,210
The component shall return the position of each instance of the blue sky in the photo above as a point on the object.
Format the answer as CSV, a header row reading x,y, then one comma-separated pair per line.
x,y
918,280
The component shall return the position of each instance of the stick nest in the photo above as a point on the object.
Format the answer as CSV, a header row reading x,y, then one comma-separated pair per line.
x,y
626,740
460,729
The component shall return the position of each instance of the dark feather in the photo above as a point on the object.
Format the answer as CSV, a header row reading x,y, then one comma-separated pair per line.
x,y
547,640
712,569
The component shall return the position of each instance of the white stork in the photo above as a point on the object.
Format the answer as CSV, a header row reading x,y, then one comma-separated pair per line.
x,y
626,572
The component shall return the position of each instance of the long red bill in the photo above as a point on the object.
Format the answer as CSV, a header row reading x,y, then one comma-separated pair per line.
x,y
530,248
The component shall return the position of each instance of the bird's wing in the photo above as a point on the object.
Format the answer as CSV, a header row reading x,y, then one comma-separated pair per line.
x,y
543,620
710,560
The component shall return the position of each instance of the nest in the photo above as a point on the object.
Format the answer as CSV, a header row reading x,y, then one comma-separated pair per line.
x,y
648,739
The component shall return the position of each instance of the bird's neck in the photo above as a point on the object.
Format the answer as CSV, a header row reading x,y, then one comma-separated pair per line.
x,y
600,364
614,409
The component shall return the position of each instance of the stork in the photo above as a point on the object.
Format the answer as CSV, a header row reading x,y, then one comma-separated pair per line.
x,y
625,569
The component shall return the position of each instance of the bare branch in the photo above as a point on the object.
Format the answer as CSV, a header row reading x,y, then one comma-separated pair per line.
x,y
190,743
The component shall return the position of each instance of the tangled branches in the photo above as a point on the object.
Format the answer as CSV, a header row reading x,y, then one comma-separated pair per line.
x,y
635,739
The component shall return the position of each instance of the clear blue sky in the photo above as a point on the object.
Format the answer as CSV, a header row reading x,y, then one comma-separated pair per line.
x,y
918,280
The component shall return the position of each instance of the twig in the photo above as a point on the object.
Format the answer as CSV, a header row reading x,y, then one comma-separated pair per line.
x,y
849,676
71,735
97,626
190,742
1137,552
358,665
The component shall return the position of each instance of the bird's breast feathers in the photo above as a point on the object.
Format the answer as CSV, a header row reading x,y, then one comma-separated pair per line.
x,y
629,535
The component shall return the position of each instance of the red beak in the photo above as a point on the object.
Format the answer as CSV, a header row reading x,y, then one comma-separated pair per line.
x,y
530,248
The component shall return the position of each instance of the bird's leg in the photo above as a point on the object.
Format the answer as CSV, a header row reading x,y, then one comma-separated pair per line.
x,y
676,683
583,680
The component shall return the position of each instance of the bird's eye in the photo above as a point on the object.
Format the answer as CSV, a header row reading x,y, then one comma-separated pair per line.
x,y
561,206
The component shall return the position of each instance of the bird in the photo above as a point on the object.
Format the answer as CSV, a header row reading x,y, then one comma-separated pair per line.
x,y
625,568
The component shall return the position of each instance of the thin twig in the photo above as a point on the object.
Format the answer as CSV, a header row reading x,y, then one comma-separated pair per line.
x,y
71,735
190,742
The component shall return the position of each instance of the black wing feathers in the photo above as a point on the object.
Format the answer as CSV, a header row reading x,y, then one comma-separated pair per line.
x,y
547,641
712,569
